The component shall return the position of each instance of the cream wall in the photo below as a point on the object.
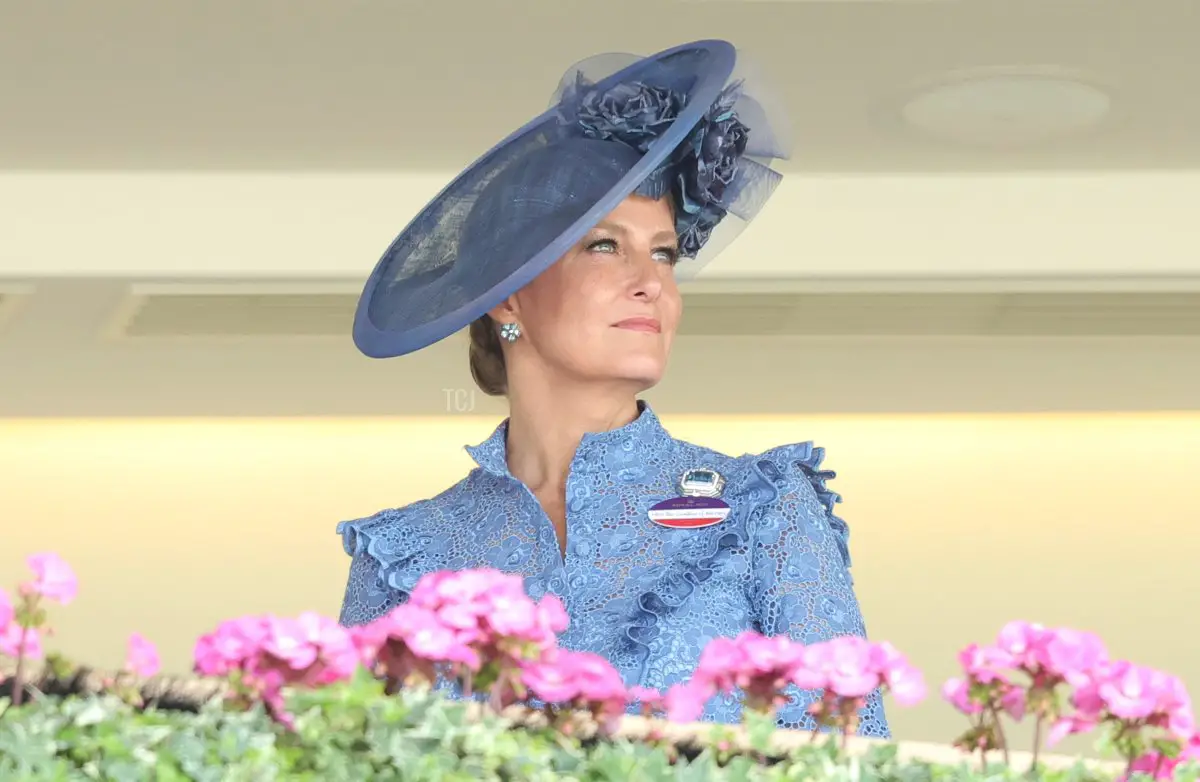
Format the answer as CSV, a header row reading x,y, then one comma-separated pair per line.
x,y
254,225
959,523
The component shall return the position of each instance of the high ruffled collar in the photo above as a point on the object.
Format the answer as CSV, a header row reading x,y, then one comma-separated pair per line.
x,y
492,453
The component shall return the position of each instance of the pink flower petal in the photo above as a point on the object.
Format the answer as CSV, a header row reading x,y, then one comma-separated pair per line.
x,y
142,657
6,610
53,578
11,642
906,685
958,692
686,702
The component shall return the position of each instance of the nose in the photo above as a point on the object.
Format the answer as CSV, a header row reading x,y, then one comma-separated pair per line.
x,y
646,276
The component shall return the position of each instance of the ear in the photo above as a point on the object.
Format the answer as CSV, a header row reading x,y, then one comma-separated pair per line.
x,y
505,313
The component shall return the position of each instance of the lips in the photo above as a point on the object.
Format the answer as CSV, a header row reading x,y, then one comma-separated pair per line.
x,y
648,325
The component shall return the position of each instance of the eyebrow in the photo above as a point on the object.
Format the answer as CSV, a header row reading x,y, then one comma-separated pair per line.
x,y
617,228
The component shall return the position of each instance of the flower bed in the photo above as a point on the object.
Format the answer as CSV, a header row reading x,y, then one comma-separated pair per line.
x,y
303,698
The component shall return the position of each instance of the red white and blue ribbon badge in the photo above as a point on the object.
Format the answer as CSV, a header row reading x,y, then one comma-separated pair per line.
x,y
700,505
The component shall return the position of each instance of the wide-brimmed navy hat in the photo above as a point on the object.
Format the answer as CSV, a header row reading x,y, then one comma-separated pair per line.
x,y
687,122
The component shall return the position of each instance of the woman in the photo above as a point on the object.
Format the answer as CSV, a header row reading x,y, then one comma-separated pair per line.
x,y
561,250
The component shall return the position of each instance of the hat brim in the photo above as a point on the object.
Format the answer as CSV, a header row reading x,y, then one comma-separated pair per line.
x,y
378,340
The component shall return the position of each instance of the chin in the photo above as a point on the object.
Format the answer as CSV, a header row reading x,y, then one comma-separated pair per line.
x,y
640,368
644,373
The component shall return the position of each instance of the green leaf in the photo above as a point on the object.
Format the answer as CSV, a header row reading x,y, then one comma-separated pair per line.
x,y
354,732
760,729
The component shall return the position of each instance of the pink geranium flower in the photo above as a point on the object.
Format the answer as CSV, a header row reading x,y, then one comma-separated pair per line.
x,y
1071,725
287,641
562,676
1071,655
234,643
1137,694
598,680
721,660
1155,765
1129,691
1137,702
271,653
53,578
650,699
985,664
1023,644
1158,765
141,657
6,610
486,607
686,702
845,666
577,680
551,679
904,682
477,626
429,637
958,693
998,693
768,655
18,641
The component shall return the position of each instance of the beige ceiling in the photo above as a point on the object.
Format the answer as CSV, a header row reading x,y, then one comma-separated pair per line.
x,y
325,84
426,86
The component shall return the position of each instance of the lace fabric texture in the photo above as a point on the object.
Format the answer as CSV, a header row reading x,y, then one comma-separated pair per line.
x,y
646,597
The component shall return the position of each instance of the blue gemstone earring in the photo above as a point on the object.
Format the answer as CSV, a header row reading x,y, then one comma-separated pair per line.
x,y
510,332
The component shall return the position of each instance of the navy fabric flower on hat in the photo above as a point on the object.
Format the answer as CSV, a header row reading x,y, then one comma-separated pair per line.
x,y
635,114
701,169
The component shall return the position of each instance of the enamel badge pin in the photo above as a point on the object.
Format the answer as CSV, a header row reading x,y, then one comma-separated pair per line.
x,y
699,504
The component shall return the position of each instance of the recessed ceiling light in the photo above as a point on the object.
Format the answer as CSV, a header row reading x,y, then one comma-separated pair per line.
x,y
1006,108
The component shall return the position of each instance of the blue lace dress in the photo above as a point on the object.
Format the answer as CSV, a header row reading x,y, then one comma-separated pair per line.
x,y
646,597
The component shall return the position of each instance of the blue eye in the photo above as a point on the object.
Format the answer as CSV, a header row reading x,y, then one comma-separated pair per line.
x,y
672,255
668,255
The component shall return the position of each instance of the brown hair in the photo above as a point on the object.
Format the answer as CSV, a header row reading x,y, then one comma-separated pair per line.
x,y
487,358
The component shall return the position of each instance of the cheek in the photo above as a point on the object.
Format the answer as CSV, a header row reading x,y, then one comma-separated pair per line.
x,y
569,315
590,303
672,305
590,320
544,303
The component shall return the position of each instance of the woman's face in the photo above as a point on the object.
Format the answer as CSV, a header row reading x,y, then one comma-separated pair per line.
x,y
608,309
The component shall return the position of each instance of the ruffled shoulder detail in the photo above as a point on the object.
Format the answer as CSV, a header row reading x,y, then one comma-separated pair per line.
x,y
795,467
754,484
391,539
